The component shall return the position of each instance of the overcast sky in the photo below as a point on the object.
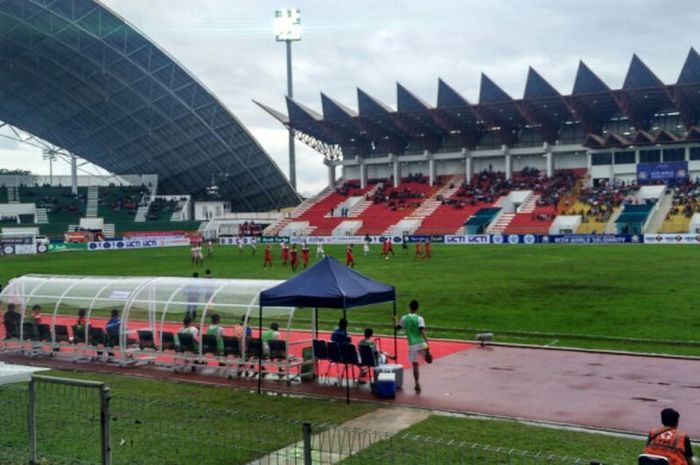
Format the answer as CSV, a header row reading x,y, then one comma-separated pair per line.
x,y
229,46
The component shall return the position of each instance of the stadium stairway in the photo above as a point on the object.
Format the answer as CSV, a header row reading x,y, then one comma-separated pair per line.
x,y
141,212
42,216
500,225
274,228
377,218
526,220
12,195
431,205
658,216
109,230
93,198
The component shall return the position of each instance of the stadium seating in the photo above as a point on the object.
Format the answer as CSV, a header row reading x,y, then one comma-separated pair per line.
x,y
392,204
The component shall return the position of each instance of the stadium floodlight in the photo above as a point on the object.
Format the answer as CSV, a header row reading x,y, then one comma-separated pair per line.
x,y
287,26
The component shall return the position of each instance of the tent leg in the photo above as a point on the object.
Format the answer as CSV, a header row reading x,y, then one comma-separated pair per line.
x,y
316,322
347,385
396,350
260,354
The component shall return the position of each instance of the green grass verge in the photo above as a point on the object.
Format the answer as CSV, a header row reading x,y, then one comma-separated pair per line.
x,y
458,436
162,422
631,297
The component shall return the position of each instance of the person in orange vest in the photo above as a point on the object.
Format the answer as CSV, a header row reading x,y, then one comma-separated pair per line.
x,y
267,258
349,257
668,442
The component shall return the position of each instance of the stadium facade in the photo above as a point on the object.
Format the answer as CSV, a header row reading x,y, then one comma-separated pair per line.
x,y
609,132
77,75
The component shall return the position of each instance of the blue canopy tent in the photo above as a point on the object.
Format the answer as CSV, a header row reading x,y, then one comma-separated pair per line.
x,y
327,284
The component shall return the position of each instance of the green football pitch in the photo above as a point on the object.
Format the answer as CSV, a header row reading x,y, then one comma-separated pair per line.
x,y
631,297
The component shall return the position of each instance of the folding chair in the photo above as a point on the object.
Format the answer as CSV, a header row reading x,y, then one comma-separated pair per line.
x,y
278,350
167,341
27,331
98,338
367,359
334,357
350,359
232,347
210,344
146,341
61,333
320,351
78,334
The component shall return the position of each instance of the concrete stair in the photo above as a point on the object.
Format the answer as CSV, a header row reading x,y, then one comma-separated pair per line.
x,y
12,195
501,223
42,217
109,230
141,214
202,227
530,204
363,204
659,214
93,197
429,206
274,228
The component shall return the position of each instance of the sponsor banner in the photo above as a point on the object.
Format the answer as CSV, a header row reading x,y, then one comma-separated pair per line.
x,y
273,239
591,239
668,171
61,246
514,239
230,240
18,245
672,238
137,244
344,240
424,237
476,239
77,237
135,235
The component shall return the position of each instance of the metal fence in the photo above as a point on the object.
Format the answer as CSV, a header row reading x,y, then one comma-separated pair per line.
x,y
57,421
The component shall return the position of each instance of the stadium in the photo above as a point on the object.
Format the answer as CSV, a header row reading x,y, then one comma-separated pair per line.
x,y
503,281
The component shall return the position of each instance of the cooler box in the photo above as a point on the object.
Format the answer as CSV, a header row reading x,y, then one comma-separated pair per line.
x,y
391,368
386,385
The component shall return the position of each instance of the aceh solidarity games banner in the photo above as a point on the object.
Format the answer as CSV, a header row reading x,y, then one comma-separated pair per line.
x,y
668,171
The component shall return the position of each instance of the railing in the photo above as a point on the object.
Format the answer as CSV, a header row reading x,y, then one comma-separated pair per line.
x,y
56,420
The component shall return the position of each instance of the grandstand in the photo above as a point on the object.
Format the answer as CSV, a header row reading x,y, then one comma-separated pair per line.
x,y
79,77
583,155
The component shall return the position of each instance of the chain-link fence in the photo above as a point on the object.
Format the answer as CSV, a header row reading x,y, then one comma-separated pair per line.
x,y
56,421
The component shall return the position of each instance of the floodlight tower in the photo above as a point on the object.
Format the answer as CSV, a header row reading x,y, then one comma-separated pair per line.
x,y
288,30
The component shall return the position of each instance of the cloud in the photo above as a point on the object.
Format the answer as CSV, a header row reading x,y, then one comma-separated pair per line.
x,y
229,46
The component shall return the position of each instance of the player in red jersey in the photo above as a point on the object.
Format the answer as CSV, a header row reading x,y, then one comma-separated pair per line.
x,y
294,258
349,257
419,250
428,253
385,249
267,259
285,253
305,255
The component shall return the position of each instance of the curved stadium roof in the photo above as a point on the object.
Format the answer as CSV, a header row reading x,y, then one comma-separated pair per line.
x,y
78,76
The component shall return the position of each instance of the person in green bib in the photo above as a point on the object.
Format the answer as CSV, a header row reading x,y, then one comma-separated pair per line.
x,y
271,334
414,326
215,329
